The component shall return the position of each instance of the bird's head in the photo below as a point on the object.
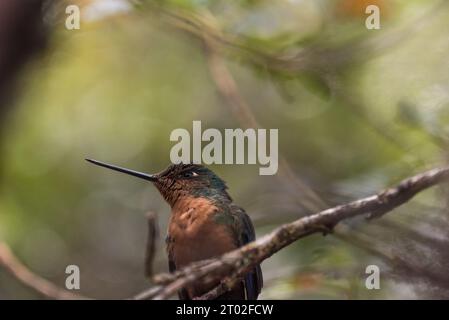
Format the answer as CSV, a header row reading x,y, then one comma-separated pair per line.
x,y
179,180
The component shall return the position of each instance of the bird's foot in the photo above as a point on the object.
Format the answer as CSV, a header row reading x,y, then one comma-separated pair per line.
x,y
325,229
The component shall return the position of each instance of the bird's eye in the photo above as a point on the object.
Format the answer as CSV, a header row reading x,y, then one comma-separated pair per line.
x,y
189,174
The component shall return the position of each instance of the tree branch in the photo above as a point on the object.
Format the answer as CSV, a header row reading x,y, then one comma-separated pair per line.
x,y
150,249
18,270
236,263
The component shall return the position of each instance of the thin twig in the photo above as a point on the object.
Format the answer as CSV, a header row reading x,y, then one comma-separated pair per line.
x,y
150,248
223,287
19,271
148,294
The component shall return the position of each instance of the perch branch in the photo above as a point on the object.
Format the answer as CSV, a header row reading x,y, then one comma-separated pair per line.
x,y
236,263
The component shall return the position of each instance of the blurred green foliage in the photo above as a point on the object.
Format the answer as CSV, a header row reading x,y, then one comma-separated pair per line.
x,y
116,88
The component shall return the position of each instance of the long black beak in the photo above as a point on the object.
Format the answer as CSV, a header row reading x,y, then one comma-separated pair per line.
x,y
145,176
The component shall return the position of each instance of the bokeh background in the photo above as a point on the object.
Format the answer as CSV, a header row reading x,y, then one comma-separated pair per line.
x,y
357,110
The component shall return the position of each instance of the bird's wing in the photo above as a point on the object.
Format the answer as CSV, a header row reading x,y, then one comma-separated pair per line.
x,y
253,279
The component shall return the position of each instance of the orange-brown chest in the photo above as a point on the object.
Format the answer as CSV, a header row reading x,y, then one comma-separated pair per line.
x,y
194,233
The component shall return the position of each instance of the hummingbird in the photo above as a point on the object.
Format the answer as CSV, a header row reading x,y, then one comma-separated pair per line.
x,y
204,223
